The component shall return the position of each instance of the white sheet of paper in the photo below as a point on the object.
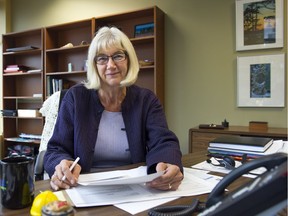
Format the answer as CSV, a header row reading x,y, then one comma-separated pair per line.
x,y
84,196
283,146
203,174
137,207
118,177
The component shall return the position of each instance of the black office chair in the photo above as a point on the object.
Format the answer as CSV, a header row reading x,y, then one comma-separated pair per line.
x,y
39,166
39,162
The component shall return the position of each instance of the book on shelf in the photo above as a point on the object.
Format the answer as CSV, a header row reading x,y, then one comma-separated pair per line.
x,y
242,143
6,112
16,69
54,85
23,48
30,136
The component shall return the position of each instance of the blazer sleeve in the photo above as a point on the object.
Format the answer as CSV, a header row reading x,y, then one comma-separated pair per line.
x,y
162,143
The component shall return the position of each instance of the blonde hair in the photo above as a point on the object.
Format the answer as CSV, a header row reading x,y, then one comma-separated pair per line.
x,y
105,38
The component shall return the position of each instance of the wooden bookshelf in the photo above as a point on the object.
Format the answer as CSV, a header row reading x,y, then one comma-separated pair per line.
x,y
19,89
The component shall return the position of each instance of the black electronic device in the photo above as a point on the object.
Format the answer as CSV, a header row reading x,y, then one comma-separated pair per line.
x,y
226,161
264,195
258,195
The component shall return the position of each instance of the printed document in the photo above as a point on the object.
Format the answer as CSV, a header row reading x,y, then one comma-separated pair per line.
x,y
137,207
99,195
118,177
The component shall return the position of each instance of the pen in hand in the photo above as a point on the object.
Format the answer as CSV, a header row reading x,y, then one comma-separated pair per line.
x,y
71,167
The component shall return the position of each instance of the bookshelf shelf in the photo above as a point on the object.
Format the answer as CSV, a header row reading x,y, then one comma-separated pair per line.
x,y
27,52
65,73
63,50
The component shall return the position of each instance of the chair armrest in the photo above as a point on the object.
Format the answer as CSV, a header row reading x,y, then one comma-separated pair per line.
x,y
39,165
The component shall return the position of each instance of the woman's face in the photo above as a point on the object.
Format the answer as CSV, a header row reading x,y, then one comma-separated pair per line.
x,y
112,66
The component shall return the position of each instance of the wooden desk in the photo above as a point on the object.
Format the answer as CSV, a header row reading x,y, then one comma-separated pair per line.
x,y
188,160
200,138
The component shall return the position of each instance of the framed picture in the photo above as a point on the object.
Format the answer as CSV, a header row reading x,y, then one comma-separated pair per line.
x,y
260,81
259,24
143,30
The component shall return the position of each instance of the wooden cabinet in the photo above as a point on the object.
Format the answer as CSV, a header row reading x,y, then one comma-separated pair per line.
x,y
60,52
200,138
22,90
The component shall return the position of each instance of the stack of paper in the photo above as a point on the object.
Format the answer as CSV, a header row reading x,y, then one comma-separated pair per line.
x,y
120,177
124,188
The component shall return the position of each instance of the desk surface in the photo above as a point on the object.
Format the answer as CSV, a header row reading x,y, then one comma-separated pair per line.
x,y
188,160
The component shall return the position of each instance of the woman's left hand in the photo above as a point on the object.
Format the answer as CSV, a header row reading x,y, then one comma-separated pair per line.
x,y
170,180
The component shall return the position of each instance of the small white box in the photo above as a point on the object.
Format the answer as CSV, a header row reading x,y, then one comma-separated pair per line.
x,y
28,113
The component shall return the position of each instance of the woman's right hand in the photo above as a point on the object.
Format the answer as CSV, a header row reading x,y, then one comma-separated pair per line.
x,y
61,170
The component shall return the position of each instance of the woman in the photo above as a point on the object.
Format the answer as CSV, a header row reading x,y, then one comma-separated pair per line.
x,y
108,122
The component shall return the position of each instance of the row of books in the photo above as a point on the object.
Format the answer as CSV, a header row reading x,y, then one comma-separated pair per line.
x,y
20,69
237,146
54,85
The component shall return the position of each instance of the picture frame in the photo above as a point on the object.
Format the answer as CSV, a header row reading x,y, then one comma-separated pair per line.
x,y
143,30
261,81
264,30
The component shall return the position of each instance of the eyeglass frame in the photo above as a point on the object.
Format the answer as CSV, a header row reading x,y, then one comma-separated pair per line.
x,y
112,57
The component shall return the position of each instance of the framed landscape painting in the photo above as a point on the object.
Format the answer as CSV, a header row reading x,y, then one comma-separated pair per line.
x,y
261,81
259,24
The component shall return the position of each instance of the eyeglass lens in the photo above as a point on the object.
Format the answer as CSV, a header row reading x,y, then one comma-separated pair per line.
x,y
117,57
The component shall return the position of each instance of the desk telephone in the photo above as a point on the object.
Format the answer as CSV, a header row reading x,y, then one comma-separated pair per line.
x,y
264,195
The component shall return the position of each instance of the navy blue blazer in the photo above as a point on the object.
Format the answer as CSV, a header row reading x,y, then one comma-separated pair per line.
x,y
78,120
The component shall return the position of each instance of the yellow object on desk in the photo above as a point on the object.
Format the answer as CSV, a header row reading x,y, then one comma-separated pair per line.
x,y
41,200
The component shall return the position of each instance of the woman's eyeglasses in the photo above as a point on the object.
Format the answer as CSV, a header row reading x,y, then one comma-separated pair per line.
x,y
117,57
